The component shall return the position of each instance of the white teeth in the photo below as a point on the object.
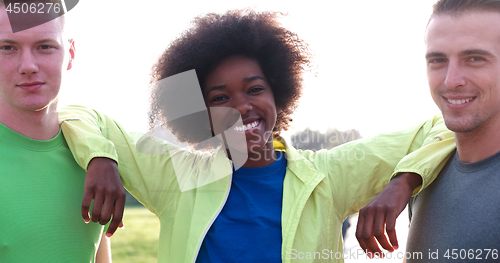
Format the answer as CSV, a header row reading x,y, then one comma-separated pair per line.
x,y
457,102
247,126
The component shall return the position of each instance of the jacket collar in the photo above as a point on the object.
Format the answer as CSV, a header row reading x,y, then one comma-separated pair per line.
x,y
301,167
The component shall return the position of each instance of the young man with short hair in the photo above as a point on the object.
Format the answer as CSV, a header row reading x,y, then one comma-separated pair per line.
x,y
456,217
42,185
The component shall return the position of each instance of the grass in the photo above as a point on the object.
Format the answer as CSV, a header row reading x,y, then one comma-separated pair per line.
x,y
138,242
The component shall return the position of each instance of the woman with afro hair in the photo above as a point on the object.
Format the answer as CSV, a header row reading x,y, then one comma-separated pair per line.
x,y
255,198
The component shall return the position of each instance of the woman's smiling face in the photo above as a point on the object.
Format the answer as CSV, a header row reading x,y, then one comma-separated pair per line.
x,y
239,86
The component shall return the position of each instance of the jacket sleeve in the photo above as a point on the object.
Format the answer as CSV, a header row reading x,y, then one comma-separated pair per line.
x,y
359,170
149,174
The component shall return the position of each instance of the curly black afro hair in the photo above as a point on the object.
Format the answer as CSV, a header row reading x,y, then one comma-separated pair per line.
x,y
282,56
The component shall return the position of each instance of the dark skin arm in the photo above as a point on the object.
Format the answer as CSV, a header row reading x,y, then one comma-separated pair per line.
x,y
382,212
103,185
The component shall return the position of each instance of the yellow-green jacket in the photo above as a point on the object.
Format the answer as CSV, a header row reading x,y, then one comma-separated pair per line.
x,y
187,189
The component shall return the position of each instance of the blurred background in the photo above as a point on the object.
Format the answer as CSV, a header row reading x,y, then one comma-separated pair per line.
x,y
369,74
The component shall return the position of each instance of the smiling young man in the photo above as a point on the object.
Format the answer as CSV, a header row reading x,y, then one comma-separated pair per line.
x,y
457,217
459,212
42,185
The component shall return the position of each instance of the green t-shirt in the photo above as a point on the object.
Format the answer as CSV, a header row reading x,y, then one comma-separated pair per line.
x,y
40,201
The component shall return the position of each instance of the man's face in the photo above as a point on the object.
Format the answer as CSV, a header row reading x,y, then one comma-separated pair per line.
x,y
32,62
463,68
